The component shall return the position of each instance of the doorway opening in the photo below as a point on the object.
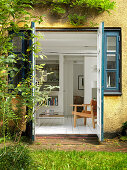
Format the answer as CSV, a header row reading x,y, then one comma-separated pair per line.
x,y
72,57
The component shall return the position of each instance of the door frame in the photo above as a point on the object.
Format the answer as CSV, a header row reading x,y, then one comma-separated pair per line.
x,y
77,30
33,76
100,78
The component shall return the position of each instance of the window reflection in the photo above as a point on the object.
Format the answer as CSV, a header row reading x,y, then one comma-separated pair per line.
x,y
111,61
111,79
111,44
17,44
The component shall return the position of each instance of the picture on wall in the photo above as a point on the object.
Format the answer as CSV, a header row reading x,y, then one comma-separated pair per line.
x,y
81,82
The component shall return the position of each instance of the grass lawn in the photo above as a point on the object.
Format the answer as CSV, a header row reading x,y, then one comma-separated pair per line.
x,y
48,159
21,157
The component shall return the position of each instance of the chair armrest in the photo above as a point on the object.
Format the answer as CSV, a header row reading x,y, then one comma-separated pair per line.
x,y
78,105
85,105
75,106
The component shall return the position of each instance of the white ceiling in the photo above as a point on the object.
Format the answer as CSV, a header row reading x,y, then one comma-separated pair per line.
x,y
68,42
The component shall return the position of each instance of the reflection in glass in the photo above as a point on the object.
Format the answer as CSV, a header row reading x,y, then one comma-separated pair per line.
x,y
50,73
111,61
17,44
111,79
18,74
111,44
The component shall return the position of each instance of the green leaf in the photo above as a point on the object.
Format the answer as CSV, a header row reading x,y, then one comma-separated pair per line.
x,y
58,10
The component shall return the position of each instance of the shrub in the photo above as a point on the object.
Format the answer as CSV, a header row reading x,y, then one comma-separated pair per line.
x,y
15,157
124,128
76,19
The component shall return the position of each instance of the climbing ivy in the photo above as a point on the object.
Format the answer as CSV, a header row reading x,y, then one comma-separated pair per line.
x,y
76,11
16,99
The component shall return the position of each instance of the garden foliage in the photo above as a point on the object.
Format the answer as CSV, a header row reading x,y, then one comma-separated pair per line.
x,y
15,98
76,11
14,14
16,157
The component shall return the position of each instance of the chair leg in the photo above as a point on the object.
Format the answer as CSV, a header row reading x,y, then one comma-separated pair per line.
x,y
93,122
75,117
85,121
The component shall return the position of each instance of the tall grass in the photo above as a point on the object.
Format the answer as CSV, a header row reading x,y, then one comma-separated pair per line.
x,y
19,157
74,160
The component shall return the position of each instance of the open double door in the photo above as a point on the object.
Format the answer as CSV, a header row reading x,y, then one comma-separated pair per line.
x,y
100,80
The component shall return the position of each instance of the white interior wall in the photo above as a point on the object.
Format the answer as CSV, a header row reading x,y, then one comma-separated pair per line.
x,y
61,84
77,70
68,86
90,65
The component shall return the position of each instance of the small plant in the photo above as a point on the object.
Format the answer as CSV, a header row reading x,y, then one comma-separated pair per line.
x,y
58,10
123,138
124,128
15,157
1,140
77,19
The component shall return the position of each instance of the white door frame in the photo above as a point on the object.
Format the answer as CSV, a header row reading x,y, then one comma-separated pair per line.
x,y
100,80
102,73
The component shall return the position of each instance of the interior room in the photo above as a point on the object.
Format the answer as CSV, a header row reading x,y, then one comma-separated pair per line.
x,y
71,71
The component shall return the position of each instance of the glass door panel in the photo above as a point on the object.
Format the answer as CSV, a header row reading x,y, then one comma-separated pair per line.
x,y
111,44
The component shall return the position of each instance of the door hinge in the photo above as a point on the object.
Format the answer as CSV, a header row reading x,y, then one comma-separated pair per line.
x,y
119,38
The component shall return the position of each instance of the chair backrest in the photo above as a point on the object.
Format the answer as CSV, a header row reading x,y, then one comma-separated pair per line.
x,y
93,103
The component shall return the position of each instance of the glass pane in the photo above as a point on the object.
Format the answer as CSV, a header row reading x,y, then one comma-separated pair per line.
x,y
17,44
111,44
51,72
18,74
111,79
111,61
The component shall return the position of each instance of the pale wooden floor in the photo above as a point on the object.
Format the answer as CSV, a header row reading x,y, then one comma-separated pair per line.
x,y
63,126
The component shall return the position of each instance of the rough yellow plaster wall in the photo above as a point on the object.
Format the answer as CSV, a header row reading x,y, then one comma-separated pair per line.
x,y
115,107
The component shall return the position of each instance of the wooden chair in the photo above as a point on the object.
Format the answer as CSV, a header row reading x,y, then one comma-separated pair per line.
x,y
85,113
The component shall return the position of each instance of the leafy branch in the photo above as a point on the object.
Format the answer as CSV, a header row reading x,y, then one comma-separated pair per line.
x,y
76,11
15,97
